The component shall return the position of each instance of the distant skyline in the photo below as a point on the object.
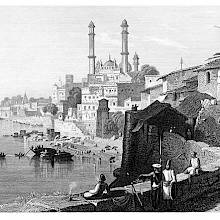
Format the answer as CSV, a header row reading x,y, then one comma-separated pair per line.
x,y
39,45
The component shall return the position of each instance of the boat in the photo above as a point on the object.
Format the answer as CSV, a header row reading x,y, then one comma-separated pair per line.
x,y
15,135
2,155
63,156
20,154
48,153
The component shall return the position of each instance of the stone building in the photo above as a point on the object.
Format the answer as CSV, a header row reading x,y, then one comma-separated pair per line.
x,y
102,116
179,84
151,94
209,76
127,90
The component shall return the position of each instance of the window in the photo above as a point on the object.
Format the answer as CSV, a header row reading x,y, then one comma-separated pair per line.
x,y
93,107
89,107
113,103
208,77
84,107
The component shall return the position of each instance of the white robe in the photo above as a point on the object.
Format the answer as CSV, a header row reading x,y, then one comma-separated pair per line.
x,y
169,177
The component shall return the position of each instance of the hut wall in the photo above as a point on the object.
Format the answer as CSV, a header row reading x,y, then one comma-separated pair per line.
x,y
129,144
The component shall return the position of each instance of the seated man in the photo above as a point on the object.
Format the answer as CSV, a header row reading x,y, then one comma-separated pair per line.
x,y
100,187
195,166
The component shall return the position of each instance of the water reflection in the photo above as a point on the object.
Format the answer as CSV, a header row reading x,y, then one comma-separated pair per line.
x,y
51,168
2,162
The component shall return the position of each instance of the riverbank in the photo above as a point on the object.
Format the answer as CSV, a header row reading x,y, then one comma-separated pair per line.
x,y
194,191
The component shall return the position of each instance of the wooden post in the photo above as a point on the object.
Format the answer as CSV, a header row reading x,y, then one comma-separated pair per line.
x,y
160,143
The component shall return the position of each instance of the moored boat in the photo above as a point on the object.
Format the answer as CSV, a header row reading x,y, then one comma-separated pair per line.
x,y
2,155
19,155
63,156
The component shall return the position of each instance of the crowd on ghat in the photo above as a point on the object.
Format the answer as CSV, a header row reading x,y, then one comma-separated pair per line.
x,y
162,182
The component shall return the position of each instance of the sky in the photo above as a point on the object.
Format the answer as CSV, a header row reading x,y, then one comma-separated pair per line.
x,y
39,44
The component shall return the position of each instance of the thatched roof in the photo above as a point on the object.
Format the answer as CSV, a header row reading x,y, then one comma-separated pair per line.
x,y
191,105
159,114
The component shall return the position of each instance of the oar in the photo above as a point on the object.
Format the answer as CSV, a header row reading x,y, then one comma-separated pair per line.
x,y
135,192
27,152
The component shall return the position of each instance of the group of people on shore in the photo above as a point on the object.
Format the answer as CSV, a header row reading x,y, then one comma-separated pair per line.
x,y
164,180
161,182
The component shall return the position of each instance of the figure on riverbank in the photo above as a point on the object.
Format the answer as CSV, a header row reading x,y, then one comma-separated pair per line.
x,y
99,189
168,179
195,165
156,178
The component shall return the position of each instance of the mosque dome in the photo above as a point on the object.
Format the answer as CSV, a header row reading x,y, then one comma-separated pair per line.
x,y
110,64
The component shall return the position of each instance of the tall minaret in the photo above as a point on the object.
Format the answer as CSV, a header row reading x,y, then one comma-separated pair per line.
x,y
136,62
91,48
124,52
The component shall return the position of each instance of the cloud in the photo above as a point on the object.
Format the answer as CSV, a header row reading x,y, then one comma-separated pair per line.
x,y
165,42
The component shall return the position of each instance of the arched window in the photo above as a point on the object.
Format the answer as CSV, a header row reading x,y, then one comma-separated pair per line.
x,y
208,77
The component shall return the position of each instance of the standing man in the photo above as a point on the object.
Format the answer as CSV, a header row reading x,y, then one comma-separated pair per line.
x,y
168,179
156,178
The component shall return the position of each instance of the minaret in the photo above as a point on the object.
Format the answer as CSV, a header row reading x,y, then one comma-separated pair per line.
x,y
124,52
136,62
91,48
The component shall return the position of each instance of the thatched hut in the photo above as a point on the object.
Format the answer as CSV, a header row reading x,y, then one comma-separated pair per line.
x,y
143,134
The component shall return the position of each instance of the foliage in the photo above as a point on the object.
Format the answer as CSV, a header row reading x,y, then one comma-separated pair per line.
x,y
51,108
119,120
110,128
115,125
145,70
74,97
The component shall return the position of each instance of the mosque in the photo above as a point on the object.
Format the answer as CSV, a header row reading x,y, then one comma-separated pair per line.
x,y
110,71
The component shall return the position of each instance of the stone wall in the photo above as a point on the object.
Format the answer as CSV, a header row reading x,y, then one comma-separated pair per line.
x,y
177,149
209,88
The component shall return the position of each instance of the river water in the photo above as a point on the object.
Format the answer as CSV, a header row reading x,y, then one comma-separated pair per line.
x,y
20,177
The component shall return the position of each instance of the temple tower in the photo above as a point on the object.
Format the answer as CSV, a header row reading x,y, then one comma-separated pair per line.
x,y
124,52
91,48
102,116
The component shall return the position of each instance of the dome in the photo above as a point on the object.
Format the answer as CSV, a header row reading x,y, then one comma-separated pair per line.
x,y
124,23
109,63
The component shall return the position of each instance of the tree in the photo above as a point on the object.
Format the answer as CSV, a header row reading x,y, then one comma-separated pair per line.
x,y
110,128
145,70
119,120
74,97
52,109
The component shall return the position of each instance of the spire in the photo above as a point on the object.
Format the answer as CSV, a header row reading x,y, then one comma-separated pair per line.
x,y
91,24
109,57
181,63
25,98
136,62
124,23
91,48
124,51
